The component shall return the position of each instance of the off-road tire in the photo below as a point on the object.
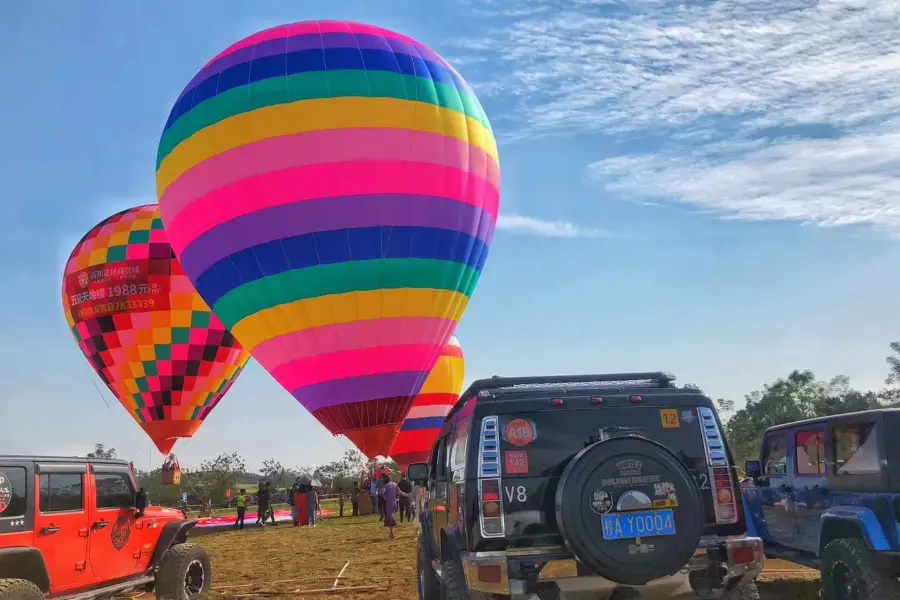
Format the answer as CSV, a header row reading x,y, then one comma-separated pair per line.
x,y
745,590
453,582
173,570
872,573
19,589
427,584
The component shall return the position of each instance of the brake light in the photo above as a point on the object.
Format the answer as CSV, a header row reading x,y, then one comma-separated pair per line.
x,y
636,399
596,400
725,501
557,401
744,555
490,499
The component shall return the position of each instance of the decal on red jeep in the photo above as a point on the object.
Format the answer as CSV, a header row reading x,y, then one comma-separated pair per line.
x,y
5,492
121,531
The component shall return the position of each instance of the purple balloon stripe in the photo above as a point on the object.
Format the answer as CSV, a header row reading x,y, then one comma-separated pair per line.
x,y
358,389
313,41
330,214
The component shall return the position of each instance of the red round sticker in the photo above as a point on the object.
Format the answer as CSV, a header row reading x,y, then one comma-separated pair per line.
x,y
5,492
519,432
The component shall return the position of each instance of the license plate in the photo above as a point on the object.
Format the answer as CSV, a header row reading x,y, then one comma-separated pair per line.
x,y
651,523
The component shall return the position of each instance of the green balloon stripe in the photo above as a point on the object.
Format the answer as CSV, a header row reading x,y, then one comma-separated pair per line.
x,y
313,85
342,278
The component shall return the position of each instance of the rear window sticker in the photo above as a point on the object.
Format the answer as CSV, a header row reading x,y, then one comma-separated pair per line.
x,y
688,416
520,432
516,462
5,492
601,501
670,418
665,503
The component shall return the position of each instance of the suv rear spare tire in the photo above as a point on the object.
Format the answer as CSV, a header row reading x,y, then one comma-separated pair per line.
x,y
629,510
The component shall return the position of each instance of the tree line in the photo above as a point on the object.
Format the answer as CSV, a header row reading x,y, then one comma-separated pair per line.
x,y
211,481
801,395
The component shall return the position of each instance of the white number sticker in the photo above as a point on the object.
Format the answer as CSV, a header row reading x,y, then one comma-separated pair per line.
x,y
703,481
516,492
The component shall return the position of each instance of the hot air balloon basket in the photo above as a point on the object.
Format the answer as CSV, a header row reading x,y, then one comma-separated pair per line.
x,y
172,477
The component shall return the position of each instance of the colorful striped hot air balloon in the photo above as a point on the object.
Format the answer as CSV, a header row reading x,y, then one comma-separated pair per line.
x,y
144,329
332,190
426,417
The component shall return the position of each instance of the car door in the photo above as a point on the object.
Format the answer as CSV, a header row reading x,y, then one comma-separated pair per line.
x,y
61,522
115,545
774,495
438,500
810,493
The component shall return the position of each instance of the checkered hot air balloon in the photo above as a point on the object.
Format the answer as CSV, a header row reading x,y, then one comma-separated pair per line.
x,y
144,329
332,190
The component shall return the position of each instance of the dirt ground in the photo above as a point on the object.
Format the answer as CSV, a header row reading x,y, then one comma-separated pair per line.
x,y
284,561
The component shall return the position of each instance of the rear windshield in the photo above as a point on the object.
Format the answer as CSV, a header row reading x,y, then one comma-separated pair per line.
x,y
551,437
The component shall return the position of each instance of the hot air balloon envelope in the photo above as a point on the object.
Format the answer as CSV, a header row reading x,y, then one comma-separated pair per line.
x,y
423,424
332,190
144,329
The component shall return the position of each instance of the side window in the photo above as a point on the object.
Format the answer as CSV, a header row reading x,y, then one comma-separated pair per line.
x,y
856,449
61,492
809,452
439,467
775,461
460,443
114,490
13,492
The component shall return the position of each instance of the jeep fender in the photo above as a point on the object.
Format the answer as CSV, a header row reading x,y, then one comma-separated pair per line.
x,y
175,532
452,543
841,521
25,563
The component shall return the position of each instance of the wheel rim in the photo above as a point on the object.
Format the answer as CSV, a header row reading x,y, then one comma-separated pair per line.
x,y
194,578
845,585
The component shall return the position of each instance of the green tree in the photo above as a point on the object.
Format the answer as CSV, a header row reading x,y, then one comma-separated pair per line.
x,y
215,477
101,451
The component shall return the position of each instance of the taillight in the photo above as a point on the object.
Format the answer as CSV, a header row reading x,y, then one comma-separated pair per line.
x,y
490,498
720,473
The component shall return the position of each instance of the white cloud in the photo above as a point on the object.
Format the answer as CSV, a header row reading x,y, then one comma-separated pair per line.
x,y
759,110
540,227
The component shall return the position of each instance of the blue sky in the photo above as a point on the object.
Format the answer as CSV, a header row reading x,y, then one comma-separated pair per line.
x,y
706,188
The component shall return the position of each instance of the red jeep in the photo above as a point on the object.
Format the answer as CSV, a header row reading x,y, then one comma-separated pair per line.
x,y
80,527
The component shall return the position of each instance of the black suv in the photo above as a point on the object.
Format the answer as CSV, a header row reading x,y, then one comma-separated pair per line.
x,y
620,483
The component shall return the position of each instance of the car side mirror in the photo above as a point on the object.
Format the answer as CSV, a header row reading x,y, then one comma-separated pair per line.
x,y
753,469
141,500
418,472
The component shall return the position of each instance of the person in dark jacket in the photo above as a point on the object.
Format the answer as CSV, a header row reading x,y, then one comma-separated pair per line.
x,y
292,500
263,502
354,499
404,499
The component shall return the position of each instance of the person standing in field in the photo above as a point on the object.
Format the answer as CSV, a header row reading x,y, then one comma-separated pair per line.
x,y
390,492
263,500
354,499
241,509
373,493
341,503
382,480
292,501
404,486
312,505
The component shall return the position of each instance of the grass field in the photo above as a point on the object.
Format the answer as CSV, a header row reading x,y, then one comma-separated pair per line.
x,y
284,561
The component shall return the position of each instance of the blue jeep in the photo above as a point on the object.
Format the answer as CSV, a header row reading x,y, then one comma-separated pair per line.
x,y
826,494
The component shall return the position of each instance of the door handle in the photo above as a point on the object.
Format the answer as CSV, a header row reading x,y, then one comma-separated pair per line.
x,y
49,530
101,525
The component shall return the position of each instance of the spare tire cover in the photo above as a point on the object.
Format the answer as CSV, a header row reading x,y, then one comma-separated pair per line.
x,y
624,476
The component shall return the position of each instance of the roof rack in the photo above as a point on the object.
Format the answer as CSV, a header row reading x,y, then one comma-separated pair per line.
x,y
483,387
647,379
